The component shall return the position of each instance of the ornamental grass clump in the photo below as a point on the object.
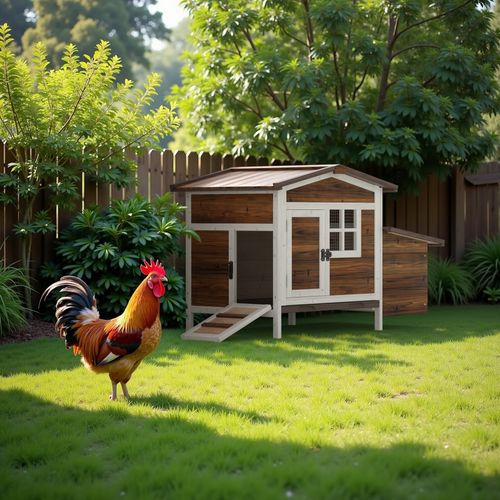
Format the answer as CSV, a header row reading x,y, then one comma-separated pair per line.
x,y
482,260
449,283
13,281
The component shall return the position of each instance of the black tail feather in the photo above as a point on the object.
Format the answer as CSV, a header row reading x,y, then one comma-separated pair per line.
x,y
77,296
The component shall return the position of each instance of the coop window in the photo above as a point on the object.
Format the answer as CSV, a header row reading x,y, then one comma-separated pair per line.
x,y
345,233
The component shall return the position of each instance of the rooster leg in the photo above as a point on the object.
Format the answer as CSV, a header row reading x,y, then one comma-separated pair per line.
x,y
125,390
112,396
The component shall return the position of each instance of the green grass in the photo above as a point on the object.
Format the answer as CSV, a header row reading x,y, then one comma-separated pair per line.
x,y
334,410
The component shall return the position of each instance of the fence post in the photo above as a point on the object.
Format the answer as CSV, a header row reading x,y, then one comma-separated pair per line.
x,y
457,228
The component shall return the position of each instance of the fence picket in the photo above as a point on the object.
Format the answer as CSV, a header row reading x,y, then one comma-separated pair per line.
x,y
168,170
156,188
204,163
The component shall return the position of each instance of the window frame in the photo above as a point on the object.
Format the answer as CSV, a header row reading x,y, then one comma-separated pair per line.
x,y
341,230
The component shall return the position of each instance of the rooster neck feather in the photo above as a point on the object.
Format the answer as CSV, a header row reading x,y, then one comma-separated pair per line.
x,y
142,309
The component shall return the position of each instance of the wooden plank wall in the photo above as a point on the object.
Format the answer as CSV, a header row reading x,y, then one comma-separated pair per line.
x,y
405,275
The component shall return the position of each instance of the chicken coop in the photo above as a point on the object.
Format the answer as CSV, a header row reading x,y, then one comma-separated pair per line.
x,y
288,239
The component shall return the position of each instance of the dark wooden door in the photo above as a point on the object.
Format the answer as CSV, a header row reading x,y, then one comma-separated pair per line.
x,y
209,269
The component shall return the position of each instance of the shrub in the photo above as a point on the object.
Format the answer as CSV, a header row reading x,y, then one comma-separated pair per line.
x,y
482,259
106,247
13,281
492,294
448,282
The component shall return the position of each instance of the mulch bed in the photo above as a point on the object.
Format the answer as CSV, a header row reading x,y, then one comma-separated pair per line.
x,y
35,329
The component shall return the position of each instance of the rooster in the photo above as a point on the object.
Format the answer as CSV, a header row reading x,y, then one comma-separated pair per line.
x,y
115,346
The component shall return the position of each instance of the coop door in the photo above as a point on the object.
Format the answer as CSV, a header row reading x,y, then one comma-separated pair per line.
x,y
307,236
210,269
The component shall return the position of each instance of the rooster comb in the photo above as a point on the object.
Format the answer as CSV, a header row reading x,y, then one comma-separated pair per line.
x,y
152,267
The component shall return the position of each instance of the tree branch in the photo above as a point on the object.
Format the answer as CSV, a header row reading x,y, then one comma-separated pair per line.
x,y
269,91
80,97
357,87
246,106
415,46
309,29
432,18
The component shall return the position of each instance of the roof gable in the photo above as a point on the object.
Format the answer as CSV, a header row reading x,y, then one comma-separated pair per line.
x,y
271,178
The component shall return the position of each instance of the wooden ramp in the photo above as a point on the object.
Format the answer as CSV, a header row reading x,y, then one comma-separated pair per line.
x,y
227,321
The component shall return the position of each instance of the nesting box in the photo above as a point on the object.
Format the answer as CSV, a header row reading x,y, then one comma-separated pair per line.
x,y
287,239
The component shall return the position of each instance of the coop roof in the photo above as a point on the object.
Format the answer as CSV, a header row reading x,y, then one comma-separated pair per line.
x,y
430,240
272,178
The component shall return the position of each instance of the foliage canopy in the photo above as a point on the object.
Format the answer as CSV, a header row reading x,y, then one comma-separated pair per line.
x,y
402,86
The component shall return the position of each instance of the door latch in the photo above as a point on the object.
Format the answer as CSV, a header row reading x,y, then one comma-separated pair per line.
x,y
325,254
230,268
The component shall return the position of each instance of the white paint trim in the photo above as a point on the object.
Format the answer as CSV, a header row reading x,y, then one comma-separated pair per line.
x,y
330,299
320,214
379,258
342,253
229,227
299,205
357,182
279,259
188,270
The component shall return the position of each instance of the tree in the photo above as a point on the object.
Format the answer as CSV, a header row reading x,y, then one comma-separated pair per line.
x,y
400,85
60,123
125,23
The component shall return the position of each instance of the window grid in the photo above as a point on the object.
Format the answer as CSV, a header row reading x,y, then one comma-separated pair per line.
x,y
345,230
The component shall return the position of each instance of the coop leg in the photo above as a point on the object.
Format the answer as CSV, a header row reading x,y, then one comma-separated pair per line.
x,y
189,320
379,318
292,319
277,323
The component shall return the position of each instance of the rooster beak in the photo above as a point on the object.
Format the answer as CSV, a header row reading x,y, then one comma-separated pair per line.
x,y
165,279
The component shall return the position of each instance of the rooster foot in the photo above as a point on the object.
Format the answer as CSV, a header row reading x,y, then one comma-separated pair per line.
x,y
112,396
125,390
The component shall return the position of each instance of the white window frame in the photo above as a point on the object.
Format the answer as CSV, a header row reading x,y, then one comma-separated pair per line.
x,y
341,253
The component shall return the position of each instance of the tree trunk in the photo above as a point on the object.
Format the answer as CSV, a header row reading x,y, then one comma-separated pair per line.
x,y
384,77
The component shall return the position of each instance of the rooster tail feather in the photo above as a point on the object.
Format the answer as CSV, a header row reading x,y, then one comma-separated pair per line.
x,y
75,307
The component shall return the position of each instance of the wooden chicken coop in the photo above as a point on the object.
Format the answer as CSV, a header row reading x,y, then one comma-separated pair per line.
x,y
288,239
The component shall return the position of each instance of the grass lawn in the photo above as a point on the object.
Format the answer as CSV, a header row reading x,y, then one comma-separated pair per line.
x,y
334,410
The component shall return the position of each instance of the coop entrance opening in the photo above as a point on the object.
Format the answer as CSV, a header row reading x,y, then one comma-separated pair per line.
x,y
254,269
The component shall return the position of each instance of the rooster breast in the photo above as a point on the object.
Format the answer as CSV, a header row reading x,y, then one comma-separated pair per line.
x,y
121,370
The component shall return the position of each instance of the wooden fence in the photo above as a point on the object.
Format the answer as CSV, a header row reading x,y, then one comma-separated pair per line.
x,y
448,209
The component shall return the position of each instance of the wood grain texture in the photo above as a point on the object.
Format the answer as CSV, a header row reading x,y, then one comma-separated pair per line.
x,y
210,285
356,274
405,275
305,253
331,191
232,208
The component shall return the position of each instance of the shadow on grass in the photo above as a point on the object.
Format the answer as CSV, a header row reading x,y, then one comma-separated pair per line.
x,y
164,402
55,451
